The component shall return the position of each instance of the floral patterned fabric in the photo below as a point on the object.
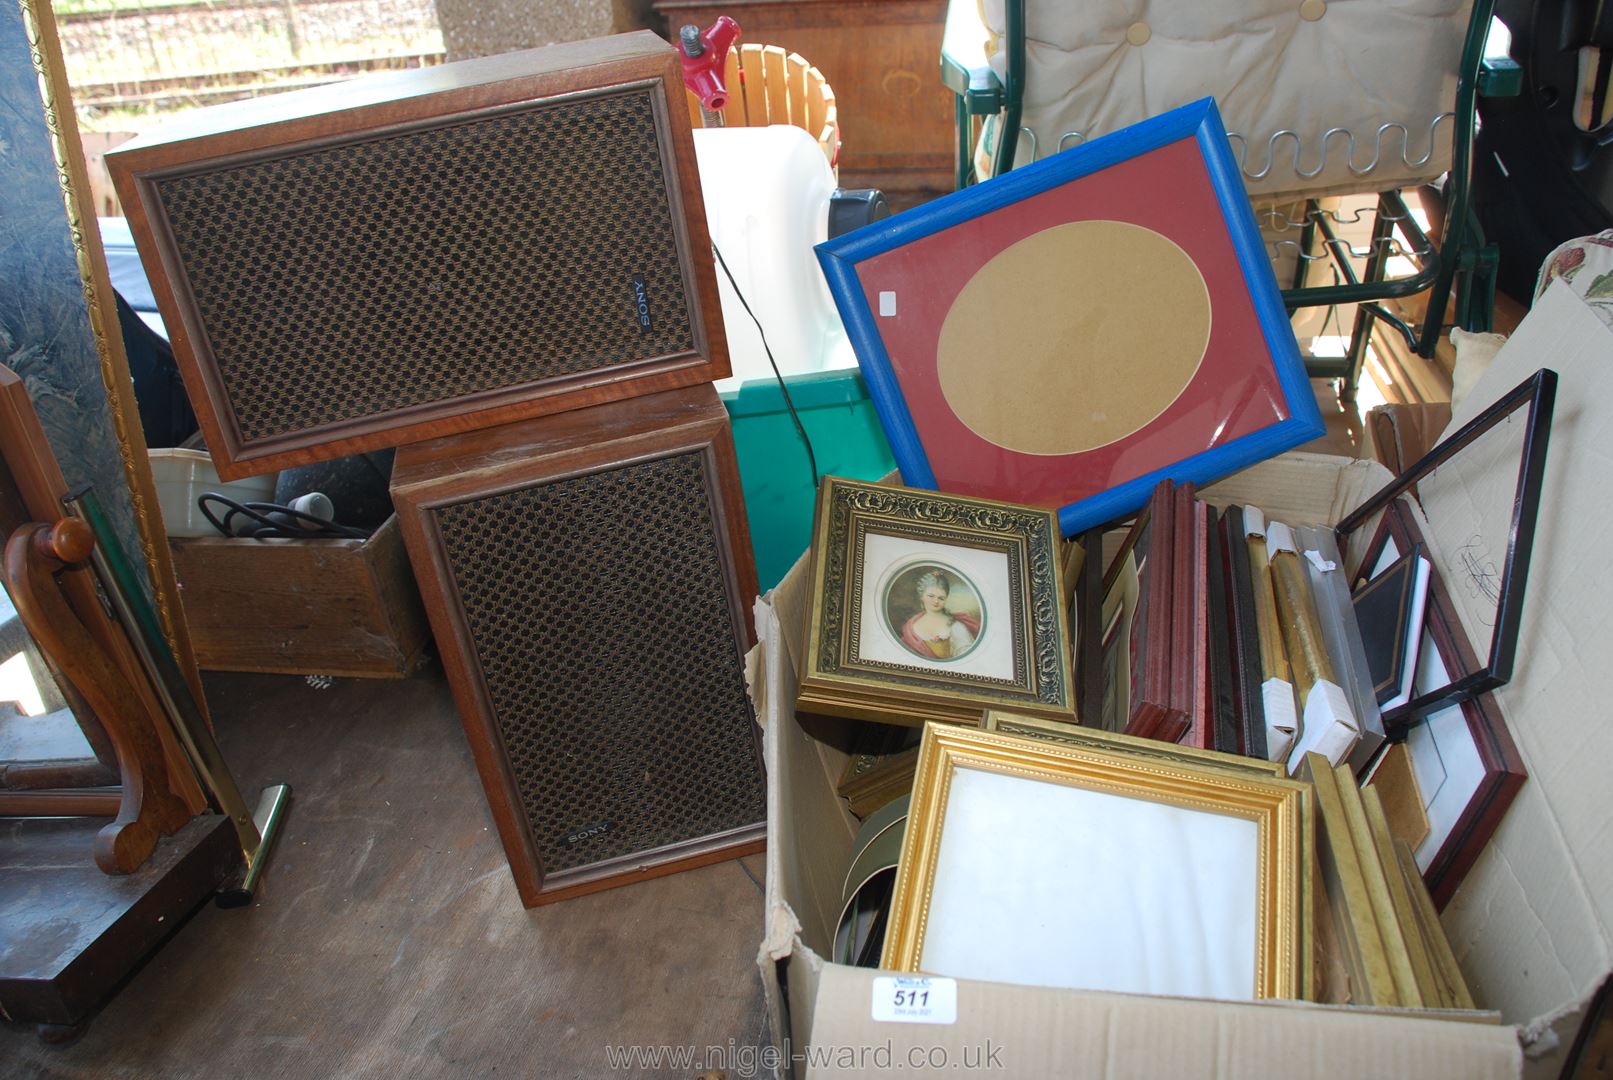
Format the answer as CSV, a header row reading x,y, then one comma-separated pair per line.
x,y
1586,265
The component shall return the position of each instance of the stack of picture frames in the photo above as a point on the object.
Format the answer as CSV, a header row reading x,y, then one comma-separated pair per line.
x,y
1450,769
1314,895
1214,627
1218,629
993,386
1387,946
1214,646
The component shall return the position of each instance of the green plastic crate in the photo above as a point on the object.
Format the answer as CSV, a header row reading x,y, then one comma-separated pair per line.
x,y
779,497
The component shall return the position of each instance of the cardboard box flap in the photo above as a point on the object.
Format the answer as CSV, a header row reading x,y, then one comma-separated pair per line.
x,y
792,593
1017,1031
1523,926
812,869
1301,488
1306,489
1530,922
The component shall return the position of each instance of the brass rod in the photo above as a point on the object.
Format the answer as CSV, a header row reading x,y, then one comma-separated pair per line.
x,y
271,808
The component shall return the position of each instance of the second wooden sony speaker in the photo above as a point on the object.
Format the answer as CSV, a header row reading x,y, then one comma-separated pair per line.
x,y
401,257
588,578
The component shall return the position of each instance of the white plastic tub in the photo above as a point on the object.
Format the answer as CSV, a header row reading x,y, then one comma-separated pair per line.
x,y
767,193
181,475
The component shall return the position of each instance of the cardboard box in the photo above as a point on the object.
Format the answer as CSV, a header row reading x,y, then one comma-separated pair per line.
x,y
1529,925
345,608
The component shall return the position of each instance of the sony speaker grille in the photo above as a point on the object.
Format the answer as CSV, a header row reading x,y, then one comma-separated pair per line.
x,y
596,604
435,263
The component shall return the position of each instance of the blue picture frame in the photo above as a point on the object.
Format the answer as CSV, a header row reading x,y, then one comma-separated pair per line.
x,y
1200,122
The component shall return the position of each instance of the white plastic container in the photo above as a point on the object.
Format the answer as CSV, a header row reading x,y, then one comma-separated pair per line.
x,y
767,193
181,475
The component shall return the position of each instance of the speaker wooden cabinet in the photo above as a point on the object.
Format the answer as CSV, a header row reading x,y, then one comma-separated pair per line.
x,y
418,253
588,578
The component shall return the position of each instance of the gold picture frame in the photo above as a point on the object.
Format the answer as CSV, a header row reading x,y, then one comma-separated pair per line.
x,y
934,607
1115,742
958,863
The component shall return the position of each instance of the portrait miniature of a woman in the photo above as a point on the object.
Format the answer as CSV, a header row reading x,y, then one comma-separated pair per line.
x,y
937,633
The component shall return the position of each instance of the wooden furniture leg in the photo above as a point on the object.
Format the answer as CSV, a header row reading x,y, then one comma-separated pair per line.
x,y
149,809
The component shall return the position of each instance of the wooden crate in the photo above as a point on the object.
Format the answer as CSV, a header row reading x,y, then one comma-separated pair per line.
x,y
303,607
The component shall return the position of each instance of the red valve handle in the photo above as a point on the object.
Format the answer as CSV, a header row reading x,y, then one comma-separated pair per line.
x,y
704,56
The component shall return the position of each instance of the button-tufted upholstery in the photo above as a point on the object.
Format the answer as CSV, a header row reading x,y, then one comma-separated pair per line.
x,y
1301,66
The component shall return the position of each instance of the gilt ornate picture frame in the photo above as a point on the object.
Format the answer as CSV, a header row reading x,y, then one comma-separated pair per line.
x,y
933,607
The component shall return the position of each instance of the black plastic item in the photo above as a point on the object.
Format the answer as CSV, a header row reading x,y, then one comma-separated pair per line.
x,y
1537,179
356,486
1537,395
263,521
165,413
852,208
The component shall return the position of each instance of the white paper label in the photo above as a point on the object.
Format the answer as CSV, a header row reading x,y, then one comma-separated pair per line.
x,y
1326,566
887,304
915,999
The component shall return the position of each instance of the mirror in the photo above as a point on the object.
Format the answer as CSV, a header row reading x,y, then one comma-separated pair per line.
x,y
59,326
46,741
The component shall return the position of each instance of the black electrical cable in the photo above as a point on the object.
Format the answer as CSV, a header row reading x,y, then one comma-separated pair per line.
x,y
272,520
812,459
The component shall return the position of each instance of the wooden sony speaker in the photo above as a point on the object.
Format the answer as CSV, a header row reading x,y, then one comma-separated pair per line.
x,y
419,253
588,577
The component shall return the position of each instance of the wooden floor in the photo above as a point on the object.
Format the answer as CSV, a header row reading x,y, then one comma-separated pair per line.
x,y
388,941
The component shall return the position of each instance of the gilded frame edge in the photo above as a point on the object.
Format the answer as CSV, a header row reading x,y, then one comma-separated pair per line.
x,y
1115,742
44,46
1278,807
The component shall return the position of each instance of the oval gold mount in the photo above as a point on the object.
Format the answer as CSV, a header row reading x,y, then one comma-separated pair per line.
x,y
1074,337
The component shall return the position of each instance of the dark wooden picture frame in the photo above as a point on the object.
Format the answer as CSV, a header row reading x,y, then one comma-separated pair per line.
x,y
1535,397
432,476
1503,767
412,103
